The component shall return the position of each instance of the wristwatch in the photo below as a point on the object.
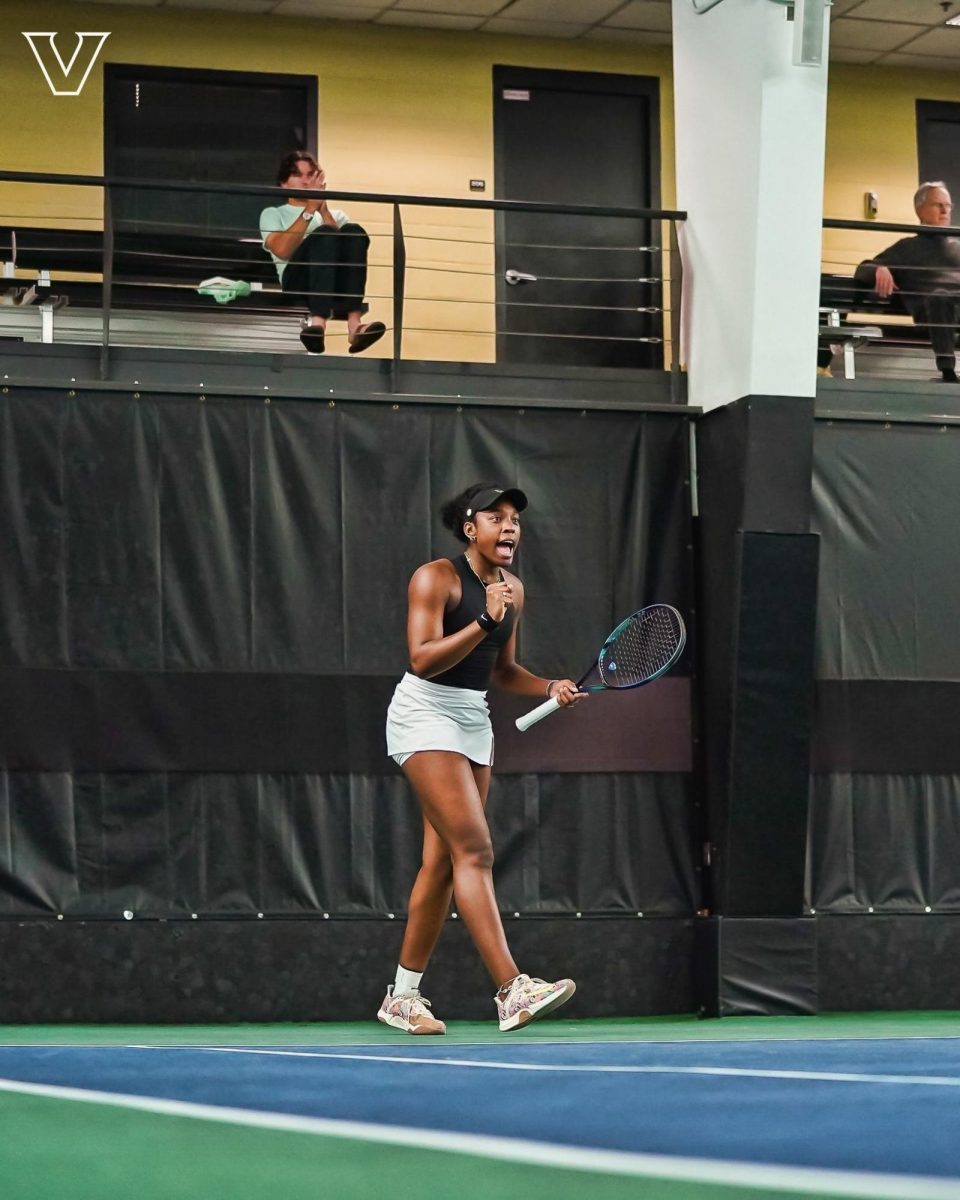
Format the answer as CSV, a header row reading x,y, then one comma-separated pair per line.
x,y
308,217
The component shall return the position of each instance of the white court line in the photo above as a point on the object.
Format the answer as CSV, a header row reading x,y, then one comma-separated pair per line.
x,y
586,1069
871,1185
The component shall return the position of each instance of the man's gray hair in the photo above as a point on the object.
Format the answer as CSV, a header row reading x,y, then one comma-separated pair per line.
x,y
920,195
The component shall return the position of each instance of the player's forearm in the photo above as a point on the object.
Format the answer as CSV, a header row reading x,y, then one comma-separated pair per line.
x,y
518,680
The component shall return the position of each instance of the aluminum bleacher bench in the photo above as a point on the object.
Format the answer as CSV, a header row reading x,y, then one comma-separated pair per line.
x,y
839,298
852,316
152,269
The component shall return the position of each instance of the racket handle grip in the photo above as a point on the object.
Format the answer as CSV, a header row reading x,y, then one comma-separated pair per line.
x,y
537,714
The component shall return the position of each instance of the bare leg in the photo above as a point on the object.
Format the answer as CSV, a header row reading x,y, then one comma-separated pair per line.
x,y
429,902
433,890
457,853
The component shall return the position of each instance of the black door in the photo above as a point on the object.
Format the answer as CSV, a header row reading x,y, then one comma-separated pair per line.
x,y
938,145
201,127
577,138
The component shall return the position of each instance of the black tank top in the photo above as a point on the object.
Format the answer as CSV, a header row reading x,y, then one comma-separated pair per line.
x,y
474,670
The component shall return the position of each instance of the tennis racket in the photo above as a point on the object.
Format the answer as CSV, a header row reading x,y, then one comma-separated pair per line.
x,y
640,649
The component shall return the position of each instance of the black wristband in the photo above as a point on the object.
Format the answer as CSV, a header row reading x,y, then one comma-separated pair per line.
x,y
486,622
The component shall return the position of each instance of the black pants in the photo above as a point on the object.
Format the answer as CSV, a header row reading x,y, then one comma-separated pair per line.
x,y
939,310
329,271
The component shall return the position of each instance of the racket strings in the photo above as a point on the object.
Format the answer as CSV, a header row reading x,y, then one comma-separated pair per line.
x,y
642,648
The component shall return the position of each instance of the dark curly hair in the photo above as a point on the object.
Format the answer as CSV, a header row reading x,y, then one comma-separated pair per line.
x,y
288,165
454,512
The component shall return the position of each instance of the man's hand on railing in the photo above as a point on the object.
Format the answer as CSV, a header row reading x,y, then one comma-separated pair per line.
x,y
884,284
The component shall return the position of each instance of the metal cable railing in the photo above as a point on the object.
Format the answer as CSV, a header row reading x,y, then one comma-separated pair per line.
x,y
596,285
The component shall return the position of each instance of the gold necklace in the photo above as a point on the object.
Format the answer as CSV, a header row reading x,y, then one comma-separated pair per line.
x,y
476,573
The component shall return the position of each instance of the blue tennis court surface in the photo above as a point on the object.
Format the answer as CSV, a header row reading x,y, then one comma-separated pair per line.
x,y
889,1107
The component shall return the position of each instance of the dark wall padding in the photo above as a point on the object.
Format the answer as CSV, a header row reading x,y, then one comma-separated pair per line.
x,y
164,534
887,726
173,845
202,614
227,971
888,962
756,966
886,842
763,848
188,721
887,508
757,589
884,830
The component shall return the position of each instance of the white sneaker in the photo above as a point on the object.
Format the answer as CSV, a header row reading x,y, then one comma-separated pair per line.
x,y
529,998
409,1012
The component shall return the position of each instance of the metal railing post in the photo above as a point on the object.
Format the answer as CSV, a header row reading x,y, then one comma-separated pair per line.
x,y
399,285
676,297
107,290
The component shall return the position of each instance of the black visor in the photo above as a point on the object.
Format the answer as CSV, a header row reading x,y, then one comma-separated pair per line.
x,y
491,497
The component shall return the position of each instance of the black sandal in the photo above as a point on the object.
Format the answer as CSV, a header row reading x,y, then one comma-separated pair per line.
x,y
366,335
312,337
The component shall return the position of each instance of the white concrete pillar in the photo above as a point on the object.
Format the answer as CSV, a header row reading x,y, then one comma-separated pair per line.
x,y
750,129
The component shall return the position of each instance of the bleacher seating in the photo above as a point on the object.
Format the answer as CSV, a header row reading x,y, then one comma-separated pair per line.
x,y
152,269
852,315
161,269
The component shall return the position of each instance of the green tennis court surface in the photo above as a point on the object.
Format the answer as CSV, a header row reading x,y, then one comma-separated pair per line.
x,y
81,1117
370,1033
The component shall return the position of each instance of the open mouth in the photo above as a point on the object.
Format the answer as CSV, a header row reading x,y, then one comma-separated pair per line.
x,y
506,546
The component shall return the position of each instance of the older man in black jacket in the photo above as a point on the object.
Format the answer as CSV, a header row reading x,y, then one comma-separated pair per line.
x,y
924,271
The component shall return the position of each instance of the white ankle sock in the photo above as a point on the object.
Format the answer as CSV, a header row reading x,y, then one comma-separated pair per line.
x,y
406,981
504,990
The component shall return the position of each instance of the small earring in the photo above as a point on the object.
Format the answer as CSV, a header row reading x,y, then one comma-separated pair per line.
x,y
472,537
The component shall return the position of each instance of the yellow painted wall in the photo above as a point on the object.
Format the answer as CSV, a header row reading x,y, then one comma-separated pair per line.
x,y
410,110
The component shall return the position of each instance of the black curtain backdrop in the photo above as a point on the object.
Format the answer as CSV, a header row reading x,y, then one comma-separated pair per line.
x,y
884,828
202,618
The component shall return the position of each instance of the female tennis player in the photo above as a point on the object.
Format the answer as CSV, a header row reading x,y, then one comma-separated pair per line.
x,y
461,632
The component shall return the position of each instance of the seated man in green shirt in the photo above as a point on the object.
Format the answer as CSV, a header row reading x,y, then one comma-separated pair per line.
x,y
320,255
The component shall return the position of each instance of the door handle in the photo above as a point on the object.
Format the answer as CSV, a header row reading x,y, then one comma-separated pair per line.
x,y
514,277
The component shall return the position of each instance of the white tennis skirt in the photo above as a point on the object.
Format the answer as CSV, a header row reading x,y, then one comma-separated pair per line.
x,y
431,716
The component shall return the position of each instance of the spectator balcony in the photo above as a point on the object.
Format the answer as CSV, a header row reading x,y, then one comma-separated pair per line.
x,y
585,311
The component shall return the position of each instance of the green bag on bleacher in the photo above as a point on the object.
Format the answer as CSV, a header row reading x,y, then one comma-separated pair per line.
x,y
224,290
